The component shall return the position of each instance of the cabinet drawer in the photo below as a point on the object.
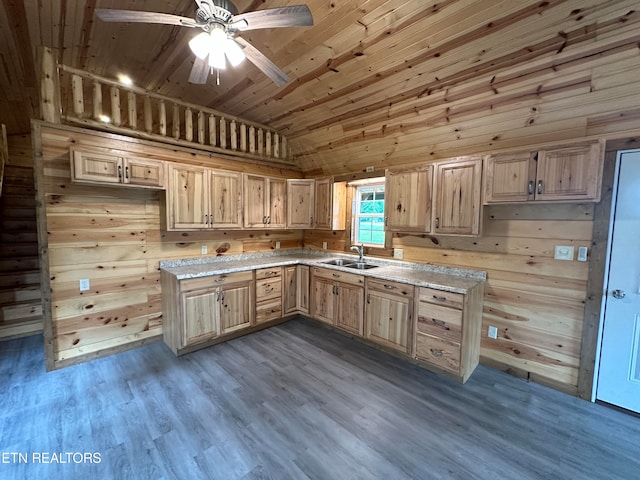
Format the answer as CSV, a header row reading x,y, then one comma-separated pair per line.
x,y
441,297
215,280
269,288
268,273
392,287
268,310
351,278
445,322
440,352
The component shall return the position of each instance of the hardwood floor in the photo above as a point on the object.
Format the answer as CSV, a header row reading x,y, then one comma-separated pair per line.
x,y
296,401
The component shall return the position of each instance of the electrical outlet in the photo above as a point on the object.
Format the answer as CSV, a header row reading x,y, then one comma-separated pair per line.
x,y
324,245
582,254
492,332
277,245
563,252
369,169
204,249
398,253
85,284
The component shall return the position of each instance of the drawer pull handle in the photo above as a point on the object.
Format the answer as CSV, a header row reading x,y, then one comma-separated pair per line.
x,y
439,323
437,353
268,290
336,275
221,279
389,287
440,299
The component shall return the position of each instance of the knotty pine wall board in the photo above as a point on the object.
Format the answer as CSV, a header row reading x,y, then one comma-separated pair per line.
x,y
114,237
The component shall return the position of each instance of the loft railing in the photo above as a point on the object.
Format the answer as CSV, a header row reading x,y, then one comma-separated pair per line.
x,y
77,97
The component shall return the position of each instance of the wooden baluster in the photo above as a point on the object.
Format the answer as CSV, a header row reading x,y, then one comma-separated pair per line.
x,y
267,149
260,141
243,137
212,130
223,133
234,135
201,127
116,115
97,101
283,149
162,120
252,139
176,121
78,95
133,110
148,116
276,145
188,125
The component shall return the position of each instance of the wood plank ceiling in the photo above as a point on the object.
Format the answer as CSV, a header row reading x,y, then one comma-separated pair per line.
x,y
374,82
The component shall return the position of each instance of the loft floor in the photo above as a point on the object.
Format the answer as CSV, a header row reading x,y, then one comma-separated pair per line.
x,y
297,401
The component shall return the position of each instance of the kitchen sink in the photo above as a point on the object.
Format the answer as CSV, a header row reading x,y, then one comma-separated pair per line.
x,y
341,262
361,265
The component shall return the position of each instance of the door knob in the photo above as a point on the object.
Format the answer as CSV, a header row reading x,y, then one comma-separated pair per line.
x,y
618,294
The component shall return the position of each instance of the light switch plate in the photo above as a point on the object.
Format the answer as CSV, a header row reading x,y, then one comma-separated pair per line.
x,y
85,284
563,252
324,245
492,332
582,254
204,249
398,253
277,245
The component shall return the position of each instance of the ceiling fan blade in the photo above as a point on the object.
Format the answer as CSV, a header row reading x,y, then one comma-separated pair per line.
x,y
136,16
292,16
199,71
267,67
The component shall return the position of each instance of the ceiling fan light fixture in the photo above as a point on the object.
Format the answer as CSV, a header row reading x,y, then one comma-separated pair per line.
x,y
234,52
200,45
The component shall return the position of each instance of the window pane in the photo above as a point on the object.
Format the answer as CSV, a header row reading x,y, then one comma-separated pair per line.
x,y
371,230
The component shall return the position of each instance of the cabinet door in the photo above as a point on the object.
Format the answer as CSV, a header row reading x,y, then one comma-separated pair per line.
x,y
277,204
387,319
200,317
96,167
323,300
225,196
570,173
144,173
290,298
350,308
509,177
187,198
324,203
302,300
236,307
408,199
300,203
255,201
457,202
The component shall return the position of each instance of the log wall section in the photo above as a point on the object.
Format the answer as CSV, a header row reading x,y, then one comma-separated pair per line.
x,y
537,303
20,304
114,237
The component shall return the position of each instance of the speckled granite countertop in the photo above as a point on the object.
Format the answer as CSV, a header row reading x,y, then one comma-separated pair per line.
x,y
451,279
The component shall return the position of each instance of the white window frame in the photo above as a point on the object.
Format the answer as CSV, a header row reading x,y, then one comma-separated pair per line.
x,y
355,211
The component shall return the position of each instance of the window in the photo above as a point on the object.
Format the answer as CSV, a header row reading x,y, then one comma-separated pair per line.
x,y
368,215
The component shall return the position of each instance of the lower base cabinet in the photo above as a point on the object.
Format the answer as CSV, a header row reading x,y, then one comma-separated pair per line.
x,y
198,310
338,299
296,289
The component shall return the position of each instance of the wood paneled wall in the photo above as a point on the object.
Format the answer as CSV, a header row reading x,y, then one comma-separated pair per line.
x,y
20,304
114,237
536,302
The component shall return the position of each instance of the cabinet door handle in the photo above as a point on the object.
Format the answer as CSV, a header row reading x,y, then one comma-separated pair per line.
x,y
436,353
386,221
218,296
368,298
206,219
440,299
222,296
264,219
126,172
540,187
268,219
530,188
437,222
119,172
311,221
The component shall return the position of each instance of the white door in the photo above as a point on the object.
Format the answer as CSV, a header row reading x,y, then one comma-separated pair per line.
x,y
619,373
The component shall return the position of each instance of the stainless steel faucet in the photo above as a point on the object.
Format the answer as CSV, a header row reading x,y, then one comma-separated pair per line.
x,y
360,250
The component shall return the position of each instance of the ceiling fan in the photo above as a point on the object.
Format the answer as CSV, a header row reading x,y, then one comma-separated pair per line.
x,y
219,40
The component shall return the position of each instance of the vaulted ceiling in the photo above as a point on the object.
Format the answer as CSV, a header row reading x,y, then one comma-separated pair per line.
x,y
373,82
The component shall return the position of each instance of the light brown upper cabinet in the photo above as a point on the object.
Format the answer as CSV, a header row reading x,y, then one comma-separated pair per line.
x,y
264,201
408,199
457,197
199,198
571,173
330,208
301,203
104,168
